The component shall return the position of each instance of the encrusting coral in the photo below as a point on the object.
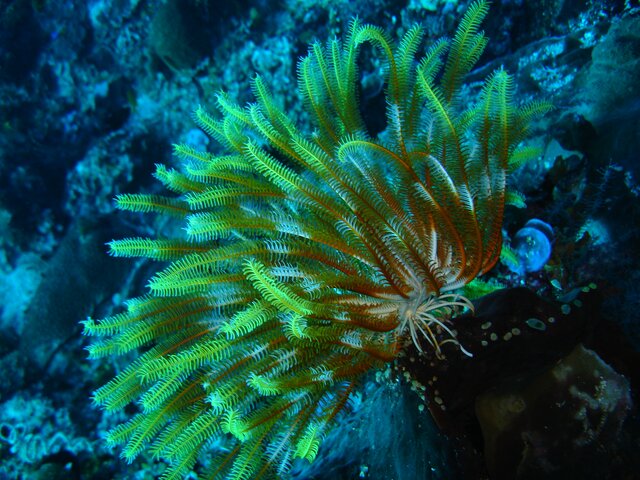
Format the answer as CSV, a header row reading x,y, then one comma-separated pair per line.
x,y
310,259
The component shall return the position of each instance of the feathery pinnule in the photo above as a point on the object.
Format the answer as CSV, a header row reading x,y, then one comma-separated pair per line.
x,y
310,259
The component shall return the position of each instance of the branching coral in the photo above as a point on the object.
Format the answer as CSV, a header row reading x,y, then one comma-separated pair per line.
x,y
310,259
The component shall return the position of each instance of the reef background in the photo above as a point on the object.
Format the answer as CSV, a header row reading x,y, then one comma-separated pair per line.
x,y
93,94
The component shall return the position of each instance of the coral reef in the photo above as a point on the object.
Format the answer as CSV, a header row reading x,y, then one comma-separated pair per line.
x,y
31,429
88,106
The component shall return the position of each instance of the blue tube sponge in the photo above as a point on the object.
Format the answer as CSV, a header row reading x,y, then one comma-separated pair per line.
x,y
532,245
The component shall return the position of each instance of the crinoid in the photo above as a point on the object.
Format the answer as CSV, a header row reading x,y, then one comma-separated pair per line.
x,y
310,259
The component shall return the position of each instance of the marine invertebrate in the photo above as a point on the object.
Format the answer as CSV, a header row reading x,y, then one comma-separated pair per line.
x,y
531,246
310,258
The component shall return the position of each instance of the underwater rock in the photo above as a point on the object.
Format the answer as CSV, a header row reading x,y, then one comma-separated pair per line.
x,y
612,91
506,343
513,333
516,338
562,424
22,40
172,36
402,444
76,278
